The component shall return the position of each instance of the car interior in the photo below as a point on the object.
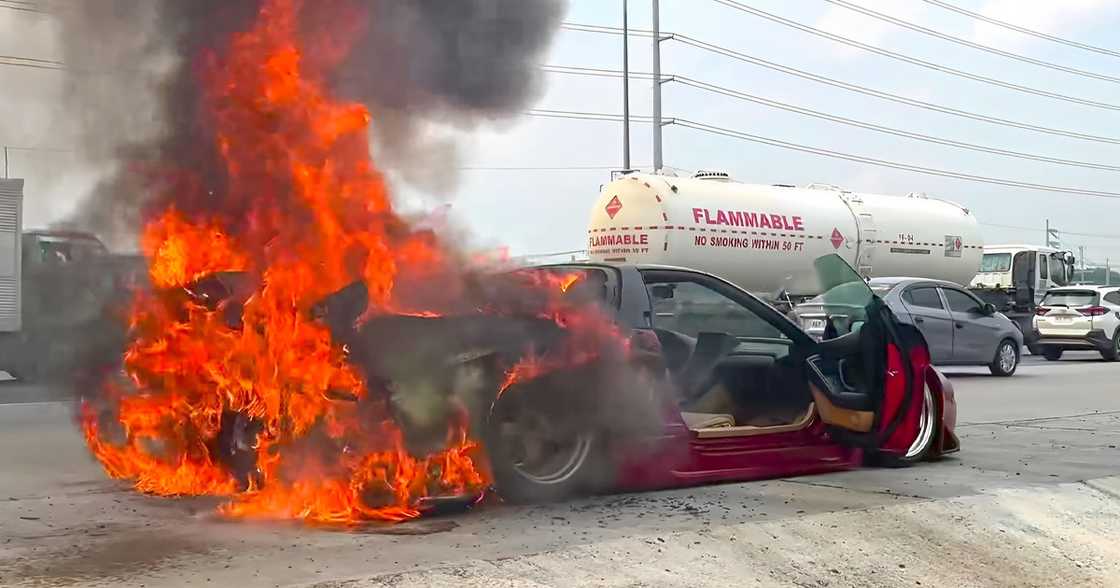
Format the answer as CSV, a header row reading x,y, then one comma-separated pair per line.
x,y
756,381
733,385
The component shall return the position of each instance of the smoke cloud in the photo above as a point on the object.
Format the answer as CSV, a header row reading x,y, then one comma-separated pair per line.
x,y
422,67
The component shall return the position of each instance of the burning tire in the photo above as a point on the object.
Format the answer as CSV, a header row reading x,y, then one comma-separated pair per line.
x,y
541,449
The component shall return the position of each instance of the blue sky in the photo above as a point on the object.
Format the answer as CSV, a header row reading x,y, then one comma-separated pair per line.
x,y
542,211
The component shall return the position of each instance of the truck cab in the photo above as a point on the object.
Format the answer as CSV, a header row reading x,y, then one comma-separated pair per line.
x,y
1015,268
1015,279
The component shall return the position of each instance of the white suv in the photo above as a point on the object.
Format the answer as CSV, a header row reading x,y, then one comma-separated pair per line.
x,y
1079,317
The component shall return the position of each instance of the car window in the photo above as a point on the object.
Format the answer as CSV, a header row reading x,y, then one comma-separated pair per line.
x,y
1113,298
1071,298
1058,270
1043,267
881,290
691,308
995,262
923,298
961,302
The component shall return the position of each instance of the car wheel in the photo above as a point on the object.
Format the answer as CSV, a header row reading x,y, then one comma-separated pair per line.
x,y
537,455
1114,353
1006,360
929,423
1052,354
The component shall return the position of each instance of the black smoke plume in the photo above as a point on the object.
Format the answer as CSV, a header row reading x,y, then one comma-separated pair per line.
x,y
420,66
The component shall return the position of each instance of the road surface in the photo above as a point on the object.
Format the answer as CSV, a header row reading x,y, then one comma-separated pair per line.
x,y
63,523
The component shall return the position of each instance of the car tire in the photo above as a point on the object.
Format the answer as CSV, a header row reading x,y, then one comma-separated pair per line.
x,y
521,431
923,443
1006,361
1052,354
1114,353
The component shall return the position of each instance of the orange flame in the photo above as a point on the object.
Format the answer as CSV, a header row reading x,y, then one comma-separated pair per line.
x,y
301,213
305,213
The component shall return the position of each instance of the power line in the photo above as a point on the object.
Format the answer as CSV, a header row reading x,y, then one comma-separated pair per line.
x,y
543,168
886,163
31,62
967,43
22,7
1060,232
914,60
737,94
712,129
1024,30
896,98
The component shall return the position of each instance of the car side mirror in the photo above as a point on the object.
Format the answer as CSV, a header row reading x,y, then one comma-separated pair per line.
x,y
988,309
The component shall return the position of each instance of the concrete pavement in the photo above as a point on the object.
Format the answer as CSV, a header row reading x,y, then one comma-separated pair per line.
x,y
1028,444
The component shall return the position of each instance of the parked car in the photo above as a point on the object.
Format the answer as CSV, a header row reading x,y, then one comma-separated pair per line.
x,y
959,328
1079,317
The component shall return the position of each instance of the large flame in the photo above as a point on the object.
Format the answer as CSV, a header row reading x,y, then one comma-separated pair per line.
x,y
303,212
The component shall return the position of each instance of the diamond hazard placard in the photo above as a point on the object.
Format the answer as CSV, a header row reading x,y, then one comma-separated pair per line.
x,y
837,238
613,207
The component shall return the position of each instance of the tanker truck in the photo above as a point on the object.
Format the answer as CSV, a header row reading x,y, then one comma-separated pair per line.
x,y
764,238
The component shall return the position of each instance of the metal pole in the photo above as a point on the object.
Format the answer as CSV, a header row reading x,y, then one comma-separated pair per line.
x,y
1107,272
5,162
625,87
657,160
1047,232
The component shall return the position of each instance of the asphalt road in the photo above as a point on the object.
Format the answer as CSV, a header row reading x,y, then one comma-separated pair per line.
x,y
63,523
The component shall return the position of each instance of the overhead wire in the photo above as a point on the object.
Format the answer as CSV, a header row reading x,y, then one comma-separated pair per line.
x,y
740,95
914,60
965,42
887,163
856,88
717,130
1021,29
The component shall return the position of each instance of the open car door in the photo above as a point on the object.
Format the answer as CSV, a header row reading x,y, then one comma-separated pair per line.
x,y
869,383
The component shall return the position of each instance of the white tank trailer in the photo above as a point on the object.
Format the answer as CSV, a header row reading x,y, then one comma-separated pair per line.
x,y
765,238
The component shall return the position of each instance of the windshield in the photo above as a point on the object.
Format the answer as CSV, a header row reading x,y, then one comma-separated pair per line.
x,y
1071,299
995,262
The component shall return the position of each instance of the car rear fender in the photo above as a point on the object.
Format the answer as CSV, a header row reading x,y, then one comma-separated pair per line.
x,y
945,397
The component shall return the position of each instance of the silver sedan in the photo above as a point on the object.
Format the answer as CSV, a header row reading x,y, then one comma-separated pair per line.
x,y
958,327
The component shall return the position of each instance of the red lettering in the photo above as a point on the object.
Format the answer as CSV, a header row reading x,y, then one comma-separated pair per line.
x,y
721,218
736,218
696,212
750,219
776,221
764,222
707,217
797,224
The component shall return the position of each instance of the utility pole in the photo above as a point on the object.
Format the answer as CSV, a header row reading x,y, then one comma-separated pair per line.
x,y
1047,232
657,157
625,87
1107,272
5,162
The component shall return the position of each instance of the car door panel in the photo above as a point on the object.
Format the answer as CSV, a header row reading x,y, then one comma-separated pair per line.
x,y
928,312
975,334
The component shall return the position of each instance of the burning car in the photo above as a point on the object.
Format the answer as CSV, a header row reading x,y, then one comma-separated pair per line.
x,y
308,353
711,384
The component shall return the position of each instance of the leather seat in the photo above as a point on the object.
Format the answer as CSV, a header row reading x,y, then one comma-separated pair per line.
x,y
704,420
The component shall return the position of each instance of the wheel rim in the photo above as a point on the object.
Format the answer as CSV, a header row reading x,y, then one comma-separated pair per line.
x,y
1007,357
542,451
925,426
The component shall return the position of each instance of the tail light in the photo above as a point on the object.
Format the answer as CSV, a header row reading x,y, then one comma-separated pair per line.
x,y
1041,311
1093,311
